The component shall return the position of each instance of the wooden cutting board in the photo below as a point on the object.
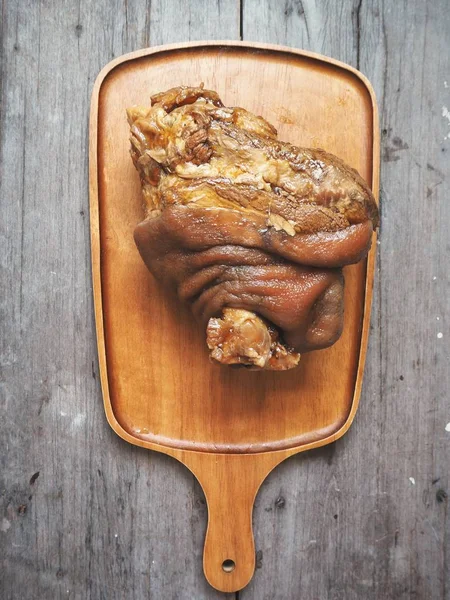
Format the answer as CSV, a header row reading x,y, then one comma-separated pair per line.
x,y
229,427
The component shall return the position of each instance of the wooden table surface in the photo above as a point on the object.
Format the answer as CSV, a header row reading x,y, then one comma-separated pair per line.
x,y
85,515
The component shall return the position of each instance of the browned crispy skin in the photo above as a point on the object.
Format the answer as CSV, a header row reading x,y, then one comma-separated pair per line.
x,y
236,219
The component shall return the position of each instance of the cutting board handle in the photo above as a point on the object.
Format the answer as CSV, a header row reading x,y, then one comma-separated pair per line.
x,y
230,483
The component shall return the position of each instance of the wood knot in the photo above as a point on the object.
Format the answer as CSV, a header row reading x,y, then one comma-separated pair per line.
x,y
441,495
280,502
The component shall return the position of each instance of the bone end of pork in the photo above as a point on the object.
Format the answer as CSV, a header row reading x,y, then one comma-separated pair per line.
x,y
241,338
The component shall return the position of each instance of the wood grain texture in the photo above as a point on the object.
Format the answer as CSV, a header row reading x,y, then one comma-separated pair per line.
x,y
389,538
102,520
351,521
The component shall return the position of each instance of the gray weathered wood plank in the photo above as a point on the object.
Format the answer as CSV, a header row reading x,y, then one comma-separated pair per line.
x,y
326,27
83,514
341,522
367,517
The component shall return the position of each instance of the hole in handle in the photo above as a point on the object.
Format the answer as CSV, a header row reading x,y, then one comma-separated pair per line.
x,y
228,565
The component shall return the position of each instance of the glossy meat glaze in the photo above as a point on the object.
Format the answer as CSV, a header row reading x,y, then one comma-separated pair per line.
x,y
252,232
